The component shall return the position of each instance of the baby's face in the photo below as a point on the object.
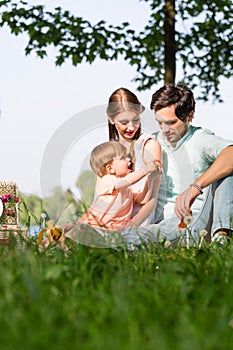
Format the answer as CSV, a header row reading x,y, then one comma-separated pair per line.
x,y
121,166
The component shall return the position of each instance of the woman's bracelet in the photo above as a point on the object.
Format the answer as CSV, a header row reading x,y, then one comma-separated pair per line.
x,y
197,187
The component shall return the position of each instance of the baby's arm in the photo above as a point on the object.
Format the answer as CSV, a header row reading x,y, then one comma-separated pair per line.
x,y
137,175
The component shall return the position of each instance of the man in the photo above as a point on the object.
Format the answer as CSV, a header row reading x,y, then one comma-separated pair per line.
x,y
198,172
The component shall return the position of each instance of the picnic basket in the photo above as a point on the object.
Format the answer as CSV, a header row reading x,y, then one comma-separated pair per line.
x,y
9,222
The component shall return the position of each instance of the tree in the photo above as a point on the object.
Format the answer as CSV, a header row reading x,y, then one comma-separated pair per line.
x,y
196,34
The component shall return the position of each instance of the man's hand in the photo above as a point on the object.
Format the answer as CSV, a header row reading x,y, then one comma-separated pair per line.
x,y
184,201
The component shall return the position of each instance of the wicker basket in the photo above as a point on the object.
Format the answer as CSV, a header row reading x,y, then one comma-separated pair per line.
x,y
9,222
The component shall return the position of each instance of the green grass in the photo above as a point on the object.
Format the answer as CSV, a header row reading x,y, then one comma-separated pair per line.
x,y
90,298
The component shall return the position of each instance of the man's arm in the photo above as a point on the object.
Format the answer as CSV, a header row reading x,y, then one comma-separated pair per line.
x,y
222,167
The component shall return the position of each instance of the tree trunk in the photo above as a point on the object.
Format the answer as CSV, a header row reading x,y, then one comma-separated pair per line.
x,y
169,40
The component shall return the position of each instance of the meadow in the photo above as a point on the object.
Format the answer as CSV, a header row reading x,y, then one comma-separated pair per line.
x,y
90,298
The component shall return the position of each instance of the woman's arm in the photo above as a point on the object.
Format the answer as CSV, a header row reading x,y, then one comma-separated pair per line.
x,y
144,212
152,150
148,207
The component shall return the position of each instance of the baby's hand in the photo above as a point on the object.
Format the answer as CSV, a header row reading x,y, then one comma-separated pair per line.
x,y
129,224
153,165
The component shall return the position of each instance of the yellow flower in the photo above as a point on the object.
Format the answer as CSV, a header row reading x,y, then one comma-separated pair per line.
x,y
53,233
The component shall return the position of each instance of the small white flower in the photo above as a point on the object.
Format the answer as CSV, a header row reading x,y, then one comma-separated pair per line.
x,y
181,230
188,219
203,233
43,217
133,246
167,244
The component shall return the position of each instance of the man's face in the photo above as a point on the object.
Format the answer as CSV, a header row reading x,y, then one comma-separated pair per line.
x,y
173,129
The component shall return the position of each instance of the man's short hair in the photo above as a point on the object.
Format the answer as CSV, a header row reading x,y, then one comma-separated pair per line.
x,y
178,95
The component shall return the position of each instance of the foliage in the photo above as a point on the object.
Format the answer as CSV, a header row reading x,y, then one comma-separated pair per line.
x,y
86,184
60,207
204,40
89,298
30,208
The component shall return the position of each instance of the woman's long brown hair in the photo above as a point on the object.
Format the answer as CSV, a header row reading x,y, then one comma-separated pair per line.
x,y
120,101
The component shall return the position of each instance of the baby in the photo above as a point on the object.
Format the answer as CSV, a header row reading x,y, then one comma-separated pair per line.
x,y
113,200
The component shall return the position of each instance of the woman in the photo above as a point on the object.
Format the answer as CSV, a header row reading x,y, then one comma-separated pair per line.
x,y
124,124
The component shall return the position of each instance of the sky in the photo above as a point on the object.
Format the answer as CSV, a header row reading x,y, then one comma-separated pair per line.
x,y
51,117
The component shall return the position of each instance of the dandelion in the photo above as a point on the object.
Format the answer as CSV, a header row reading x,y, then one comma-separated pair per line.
x,y
167,244
187,219
202,235
43,217
132,246
183,226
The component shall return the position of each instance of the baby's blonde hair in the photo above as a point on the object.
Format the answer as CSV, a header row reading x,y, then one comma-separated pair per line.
x,y
103,155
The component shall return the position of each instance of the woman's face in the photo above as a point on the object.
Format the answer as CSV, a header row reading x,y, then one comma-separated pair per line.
x,y
127,124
